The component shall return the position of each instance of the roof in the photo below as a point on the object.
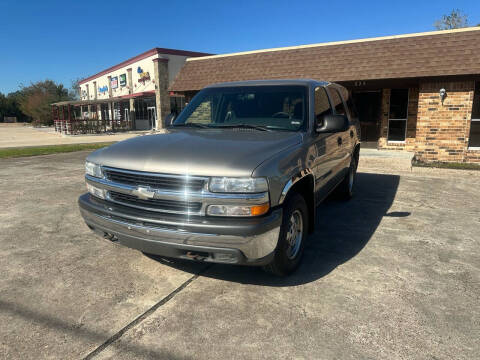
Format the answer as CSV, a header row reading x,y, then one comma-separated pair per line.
x,y
436,53
143,56
103,101
270,82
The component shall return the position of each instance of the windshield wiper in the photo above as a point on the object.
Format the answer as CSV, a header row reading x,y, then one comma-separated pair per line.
x,y
244,126
197,125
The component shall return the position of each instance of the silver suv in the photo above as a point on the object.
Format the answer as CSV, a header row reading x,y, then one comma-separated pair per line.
x,y
235,179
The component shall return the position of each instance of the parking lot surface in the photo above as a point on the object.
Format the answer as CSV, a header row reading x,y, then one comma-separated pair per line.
x,y
21,135
392,274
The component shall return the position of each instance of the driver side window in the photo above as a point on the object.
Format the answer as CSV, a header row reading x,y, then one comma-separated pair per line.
x,y
322,105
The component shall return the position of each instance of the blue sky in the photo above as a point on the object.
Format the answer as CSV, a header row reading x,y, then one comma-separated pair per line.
x,y
64,40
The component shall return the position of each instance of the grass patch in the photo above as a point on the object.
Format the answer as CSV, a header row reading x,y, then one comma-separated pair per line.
x,y
50,149
447,165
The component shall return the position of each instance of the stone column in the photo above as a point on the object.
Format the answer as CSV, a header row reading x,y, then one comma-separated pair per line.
x,y
88,99
95,91
162,99
131,100
109,86
110,104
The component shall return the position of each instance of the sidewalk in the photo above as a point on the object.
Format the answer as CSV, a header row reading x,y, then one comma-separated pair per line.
x,y
386,159
19,135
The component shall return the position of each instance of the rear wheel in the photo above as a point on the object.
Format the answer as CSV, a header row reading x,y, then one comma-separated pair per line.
x,y
293,234
345,189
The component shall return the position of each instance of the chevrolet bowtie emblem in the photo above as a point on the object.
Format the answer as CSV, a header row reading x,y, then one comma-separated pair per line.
x,y
144,193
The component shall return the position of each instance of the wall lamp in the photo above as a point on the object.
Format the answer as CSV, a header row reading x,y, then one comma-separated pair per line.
x,y
443,94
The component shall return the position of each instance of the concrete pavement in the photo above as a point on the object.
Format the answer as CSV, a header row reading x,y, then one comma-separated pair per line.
x,y
20,135
392,274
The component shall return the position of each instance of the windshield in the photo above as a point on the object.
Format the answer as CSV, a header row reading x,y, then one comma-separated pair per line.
x,y
257,107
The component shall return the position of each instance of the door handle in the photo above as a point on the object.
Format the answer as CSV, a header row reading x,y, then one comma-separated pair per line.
x,y
339,141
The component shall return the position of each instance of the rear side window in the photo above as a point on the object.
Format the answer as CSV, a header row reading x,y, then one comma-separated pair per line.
x,y
337,102
322,105
351,107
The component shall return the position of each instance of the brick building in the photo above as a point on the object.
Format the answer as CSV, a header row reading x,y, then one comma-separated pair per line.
x,y
131,95
414,92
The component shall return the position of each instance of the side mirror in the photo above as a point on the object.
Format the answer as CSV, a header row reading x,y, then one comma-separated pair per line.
x,y
333,124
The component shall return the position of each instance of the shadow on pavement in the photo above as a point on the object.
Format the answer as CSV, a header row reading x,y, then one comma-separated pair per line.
x,y
342,231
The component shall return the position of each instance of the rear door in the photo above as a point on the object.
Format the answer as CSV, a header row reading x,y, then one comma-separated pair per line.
x,y
321,152
340,141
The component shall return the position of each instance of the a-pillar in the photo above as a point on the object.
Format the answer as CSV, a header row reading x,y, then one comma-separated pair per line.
x,y
162,99
131,100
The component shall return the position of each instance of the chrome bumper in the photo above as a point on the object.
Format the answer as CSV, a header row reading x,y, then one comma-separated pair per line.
x,y
233,241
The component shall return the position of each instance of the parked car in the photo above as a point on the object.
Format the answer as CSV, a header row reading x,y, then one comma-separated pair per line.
x,y
236,179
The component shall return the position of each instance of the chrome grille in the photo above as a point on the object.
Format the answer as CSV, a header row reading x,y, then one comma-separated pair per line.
x,y
155,204
160,181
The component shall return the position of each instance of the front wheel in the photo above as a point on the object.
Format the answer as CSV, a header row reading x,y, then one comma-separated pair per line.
x,y
292,238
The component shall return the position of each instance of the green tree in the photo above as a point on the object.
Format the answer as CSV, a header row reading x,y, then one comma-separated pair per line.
x,y
9,106
35,100
75,89
455,20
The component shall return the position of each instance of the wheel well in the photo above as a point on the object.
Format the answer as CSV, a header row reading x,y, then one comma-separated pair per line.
x,y
356,154
305,187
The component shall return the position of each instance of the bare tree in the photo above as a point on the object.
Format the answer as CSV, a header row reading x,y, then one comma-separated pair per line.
x,y
455,20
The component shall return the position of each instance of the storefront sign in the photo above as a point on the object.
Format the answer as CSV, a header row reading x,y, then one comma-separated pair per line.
x,y
142,76
114,82
103,89
123,79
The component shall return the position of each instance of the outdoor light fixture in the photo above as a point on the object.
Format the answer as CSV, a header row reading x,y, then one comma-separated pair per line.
x,y
443,94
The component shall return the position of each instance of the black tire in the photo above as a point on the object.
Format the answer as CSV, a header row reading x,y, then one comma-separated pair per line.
x,y
287,256
346,188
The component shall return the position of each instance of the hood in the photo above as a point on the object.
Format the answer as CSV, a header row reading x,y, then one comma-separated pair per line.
x,y
201,152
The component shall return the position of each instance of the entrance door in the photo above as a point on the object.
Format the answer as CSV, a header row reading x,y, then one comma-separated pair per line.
x,y
126,113
152,116
369,106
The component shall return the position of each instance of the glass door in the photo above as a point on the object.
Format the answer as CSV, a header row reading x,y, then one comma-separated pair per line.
x,y
152,116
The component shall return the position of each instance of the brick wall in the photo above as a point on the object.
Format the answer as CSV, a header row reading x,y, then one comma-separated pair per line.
x,y
410,139
443,129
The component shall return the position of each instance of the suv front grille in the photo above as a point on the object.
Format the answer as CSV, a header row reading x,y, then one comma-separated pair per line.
x,y
164,182
156,204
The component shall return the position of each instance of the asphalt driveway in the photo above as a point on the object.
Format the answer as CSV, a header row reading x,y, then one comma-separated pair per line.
x,y
392,274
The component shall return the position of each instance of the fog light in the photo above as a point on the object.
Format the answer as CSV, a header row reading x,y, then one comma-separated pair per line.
x,y
236,210
96,191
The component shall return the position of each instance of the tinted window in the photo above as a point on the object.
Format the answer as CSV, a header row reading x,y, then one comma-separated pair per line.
x,y
396,130
474,140
322,105
275,107
352,107
337,102
476,102
398,103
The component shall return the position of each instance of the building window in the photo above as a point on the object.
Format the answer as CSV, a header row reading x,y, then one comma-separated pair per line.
x,y
474,138
397,119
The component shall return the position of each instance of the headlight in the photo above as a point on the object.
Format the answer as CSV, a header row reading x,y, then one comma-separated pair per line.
x,y
237,210
238,185
93,169
96,191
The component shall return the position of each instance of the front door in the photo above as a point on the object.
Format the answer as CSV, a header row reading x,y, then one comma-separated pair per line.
x,y
369,104
152,116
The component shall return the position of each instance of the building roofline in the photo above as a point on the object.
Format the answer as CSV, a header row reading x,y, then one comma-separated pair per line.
x,y
391,37
142,56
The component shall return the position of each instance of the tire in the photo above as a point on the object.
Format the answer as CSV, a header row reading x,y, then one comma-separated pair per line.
x,y
289,250
346,188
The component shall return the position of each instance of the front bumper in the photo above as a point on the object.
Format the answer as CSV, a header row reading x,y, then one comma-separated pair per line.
x,y
249,241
